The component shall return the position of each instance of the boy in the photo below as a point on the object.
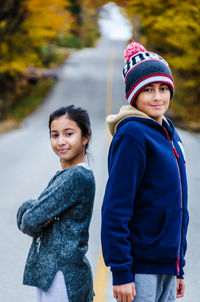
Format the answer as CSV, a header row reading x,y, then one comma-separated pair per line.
x,y
144,212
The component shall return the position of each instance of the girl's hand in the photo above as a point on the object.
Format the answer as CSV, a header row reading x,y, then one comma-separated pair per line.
x,y
124,292
47,222
180,288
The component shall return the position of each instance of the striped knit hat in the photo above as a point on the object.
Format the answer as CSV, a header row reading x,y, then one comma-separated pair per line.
x,y
142,68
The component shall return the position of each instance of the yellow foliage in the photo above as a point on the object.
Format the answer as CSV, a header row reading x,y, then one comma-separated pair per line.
x,y
19,64
92,3
43,21
2,24
171,27
3,48
46,20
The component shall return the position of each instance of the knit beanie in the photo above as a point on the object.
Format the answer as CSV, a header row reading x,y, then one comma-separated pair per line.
x,y
142,68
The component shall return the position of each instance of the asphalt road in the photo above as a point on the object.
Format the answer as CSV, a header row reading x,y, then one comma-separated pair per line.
x,y
90,78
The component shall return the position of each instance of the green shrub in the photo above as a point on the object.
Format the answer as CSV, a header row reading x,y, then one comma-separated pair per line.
x,y
30,103
47,54
69,41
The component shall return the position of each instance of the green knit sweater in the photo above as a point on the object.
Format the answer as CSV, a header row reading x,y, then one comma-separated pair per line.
x,y
62,245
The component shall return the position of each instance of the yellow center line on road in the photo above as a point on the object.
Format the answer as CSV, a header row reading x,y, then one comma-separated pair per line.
x,y
101,278
109,85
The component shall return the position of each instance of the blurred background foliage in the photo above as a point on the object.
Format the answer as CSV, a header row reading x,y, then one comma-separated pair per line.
x,y
39,34
27,25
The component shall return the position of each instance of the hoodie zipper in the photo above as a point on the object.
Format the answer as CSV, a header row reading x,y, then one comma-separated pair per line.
x,y
38,243
176,157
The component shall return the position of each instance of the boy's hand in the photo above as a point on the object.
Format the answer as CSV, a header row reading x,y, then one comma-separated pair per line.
x,y
124,292
180,288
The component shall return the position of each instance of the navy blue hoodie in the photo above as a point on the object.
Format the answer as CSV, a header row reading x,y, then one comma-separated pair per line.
x,y
144,212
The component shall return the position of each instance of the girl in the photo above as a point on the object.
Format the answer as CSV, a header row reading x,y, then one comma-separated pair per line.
x,y
59,219
144,213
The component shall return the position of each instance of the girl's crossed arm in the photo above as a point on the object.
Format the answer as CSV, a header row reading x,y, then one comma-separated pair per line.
x,y
57,197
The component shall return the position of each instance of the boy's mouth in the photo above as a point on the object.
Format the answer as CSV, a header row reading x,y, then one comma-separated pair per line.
x,y
158,106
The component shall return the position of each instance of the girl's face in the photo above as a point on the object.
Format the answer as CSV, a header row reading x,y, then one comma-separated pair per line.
x,y
67,141
154,100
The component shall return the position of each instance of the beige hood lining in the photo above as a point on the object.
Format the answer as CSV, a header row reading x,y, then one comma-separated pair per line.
x,y
126,111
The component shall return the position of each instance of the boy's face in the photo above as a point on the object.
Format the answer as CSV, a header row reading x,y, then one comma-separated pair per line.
x,y
154,100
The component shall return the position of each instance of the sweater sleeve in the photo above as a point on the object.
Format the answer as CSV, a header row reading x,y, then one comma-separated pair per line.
x,y
57,197
24,207
126,168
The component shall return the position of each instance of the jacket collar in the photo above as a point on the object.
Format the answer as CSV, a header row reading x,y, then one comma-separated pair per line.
x,y
129,112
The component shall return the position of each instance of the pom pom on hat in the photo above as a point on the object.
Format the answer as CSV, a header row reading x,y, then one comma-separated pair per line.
x,y
142,68
132,49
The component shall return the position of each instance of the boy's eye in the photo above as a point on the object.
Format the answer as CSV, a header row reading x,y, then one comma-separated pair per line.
x,y
164,88
147,89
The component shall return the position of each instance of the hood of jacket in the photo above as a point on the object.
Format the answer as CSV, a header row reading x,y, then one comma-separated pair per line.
x,y
126,111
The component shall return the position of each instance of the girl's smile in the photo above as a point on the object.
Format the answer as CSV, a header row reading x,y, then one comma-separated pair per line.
x,y
62,151
67,141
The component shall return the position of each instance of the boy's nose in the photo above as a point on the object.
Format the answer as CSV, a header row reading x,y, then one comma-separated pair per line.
x,y
157,95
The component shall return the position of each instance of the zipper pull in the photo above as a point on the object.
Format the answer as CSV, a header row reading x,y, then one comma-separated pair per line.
x,y
174,149
38,243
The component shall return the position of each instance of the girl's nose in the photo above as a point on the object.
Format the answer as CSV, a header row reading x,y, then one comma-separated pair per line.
x,y
61,140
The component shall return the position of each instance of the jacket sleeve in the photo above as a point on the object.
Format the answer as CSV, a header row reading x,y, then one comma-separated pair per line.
x,y
183,249
126,165
57,197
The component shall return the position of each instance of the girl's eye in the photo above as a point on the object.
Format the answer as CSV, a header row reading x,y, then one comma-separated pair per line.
x,y
68,133
54,135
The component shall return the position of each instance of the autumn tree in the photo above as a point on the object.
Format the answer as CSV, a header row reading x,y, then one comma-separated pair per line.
x,y
12,14
35,23
25,26
85,13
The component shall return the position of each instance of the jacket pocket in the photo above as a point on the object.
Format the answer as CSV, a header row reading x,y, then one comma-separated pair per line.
x,y
164,246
